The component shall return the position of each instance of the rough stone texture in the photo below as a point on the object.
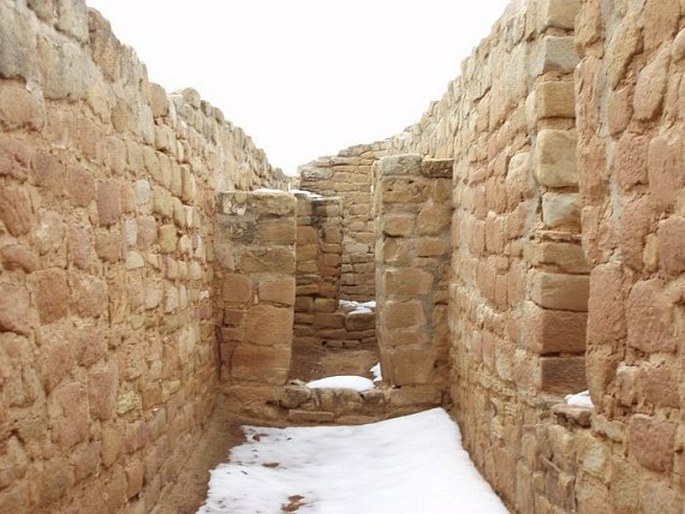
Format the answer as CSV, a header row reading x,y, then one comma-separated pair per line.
x,y
412,289
349,176
107,337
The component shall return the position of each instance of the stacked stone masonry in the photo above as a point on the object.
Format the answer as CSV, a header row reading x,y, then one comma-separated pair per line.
x,y
107,199
325,330
348,175
413,207
143,280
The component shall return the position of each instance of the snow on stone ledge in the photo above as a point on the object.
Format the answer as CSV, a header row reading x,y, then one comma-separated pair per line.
x,y
358,307
359,384
581,399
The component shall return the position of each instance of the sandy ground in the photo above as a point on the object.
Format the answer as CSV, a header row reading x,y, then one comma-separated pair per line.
x,y
190,490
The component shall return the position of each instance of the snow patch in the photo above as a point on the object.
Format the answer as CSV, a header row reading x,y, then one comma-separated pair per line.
x,y
408,465
358,307
376,372
581,399
359,384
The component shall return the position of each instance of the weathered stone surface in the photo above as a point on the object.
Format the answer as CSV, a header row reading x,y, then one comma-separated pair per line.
x,y
278,291
560,291
555,158
269,325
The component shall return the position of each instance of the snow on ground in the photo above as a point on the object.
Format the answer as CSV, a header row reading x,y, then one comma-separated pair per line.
x,y
581,399
359,384
358,307
409,465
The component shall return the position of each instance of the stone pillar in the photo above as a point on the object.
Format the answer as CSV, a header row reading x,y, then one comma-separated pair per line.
x,y
555,311
255,279
413,218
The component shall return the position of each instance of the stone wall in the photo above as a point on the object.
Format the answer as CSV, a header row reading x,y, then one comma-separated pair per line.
x,y
107,345
413,206
519,292
349,176
255,252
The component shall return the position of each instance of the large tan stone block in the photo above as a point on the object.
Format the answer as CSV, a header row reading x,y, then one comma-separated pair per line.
x,y
433,220
649,313
14,309
559,291
652,442
555,158
549,331
402,314
15,210
256,363
566,257
651,87
236,288
407,164
278,291
394,225
269,325
555,99
555,53
558,14
671,236
51,294
562,375
409,367
561,209
406,283
272,260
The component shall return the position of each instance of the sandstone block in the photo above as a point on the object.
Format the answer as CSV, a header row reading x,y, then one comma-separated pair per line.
x,y
555,99
555,53
15,158
325,304
403,190
16,211
68,410
651,87
275,260
81,186
401,284
408,367
269,325
563,256
14,309
648,312
403,315
19,257
277,232
664,169
278,291
109,202
142,192
671,236
433,220
559,291
607,321
19,108
52,294
236,288
562,375
561,209
431,247
555,158
551,331
558,13
102,391
258,363
167,238
652,442
408,164
395,226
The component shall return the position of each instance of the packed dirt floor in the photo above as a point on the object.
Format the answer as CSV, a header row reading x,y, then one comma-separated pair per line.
x,y
190,490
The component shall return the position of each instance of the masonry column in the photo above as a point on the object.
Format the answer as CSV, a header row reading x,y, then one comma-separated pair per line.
x,y
413,213
255,254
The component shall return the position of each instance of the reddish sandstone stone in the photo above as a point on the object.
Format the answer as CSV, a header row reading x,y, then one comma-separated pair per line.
x,y
109,202
48,172
81,186
637,220
560,291
20,108
562,374
403,315
649,318
652,442
14,309
269,325
109,245
236,288
86,460
606,320
665,169
19,257
57,360
630,161
278,291
88,296
671,234
68,410
102,391
15,211
552,331
52,294
659,385
258,363
14,158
